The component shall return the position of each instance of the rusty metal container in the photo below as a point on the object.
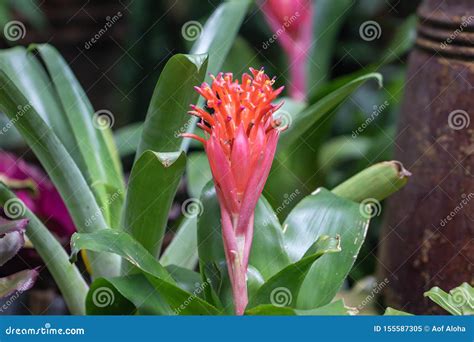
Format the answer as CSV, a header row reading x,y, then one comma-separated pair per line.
x,y
428,236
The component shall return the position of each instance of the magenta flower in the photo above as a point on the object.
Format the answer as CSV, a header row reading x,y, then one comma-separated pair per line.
x,y
38,193
292,24
242,139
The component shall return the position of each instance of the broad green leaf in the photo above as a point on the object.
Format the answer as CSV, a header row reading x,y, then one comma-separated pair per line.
x,y
459,301
127,138
91,136
376,182
104,298
122,244
216,40
167,115
285,285
68,278
198,173
267,241
60,167
329,17
323,213
24,70
312,114
392,312
20,281
153,183
183,251
118,242
337,308
125,295
186,279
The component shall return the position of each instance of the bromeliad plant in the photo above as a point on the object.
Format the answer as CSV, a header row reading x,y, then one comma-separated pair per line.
x,y
249,263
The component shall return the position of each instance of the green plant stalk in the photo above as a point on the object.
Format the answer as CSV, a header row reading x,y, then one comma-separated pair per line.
x,y
377,181
66,275
61,169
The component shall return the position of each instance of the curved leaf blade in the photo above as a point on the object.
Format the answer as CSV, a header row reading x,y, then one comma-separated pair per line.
x,y
153,183
323,213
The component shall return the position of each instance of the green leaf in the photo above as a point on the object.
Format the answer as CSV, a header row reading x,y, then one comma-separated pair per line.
x,y
323,213
312,114
18,282
167,115
24,70
329,17
183,251
283,286
104,298
153,183
118,242
376,182
267,241
68,278
125,295
186,279
459,301
392,312
216,40
99,156
60,167
336,308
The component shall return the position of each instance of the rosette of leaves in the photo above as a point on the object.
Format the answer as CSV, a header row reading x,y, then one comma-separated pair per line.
x,y
296,265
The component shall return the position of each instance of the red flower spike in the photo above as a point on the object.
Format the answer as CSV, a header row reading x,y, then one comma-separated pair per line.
x,y
241,139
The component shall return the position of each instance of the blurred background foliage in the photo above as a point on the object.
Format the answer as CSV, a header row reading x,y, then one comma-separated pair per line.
x,y
120,72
